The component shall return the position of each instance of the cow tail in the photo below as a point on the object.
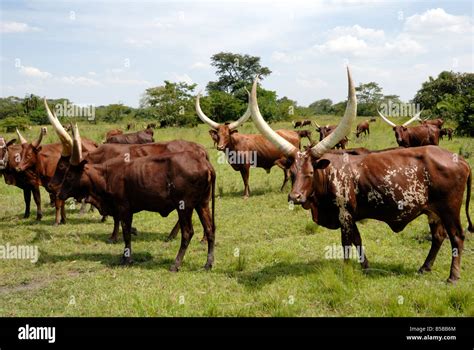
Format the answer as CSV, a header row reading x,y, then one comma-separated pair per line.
x,y
470,228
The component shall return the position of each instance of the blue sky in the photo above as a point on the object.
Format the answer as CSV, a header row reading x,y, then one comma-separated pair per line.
x,y
111,51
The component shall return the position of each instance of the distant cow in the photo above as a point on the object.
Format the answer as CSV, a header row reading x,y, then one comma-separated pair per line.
x,y
372,120
109,133
151,126
178,181
327,130
446,131
245,150
363,128
302,123
415,136
436,122
305,133
145,136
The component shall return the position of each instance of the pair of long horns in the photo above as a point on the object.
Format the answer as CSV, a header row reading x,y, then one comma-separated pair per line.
x,y
60,131
35,143
213,124
385,119
342,130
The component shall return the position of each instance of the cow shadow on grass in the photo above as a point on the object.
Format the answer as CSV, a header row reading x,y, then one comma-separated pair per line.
x,y
141,236
240,193
269,274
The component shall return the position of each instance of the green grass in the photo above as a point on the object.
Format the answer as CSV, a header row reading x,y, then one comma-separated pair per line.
x,y
281,269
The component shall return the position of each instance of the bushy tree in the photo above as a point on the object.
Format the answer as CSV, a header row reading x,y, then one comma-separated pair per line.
x,y
323,106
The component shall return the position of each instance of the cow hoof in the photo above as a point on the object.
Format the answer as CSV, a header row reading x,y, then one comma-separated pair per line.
x,y
424,269
169,238
203,241
39,217
56,224
104,219
124,261
133,231
208,267
246,196
452,280
112,240
26,216
174,268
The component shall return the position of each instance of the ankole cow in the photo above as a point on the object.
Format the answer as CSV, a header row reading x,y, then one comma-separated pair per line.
x,y
324,131
363,128
106,152
145,136
446,131
394,186
436,122
414,136
170,181
9,159
246,150
38,163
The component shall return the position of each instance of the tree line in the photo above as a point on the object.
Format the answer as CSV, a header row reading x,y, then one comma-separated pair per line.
x,y
450,95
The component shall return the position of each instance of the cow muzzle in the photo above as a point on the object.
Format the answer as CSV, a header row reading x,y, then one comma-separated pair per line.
x,y
296,198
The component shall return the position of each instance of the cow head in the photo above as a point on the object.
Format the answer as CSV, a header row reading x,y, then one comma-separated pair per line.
x,y
4,152
307,167
221,134
400,130
66,151
71,184
29,151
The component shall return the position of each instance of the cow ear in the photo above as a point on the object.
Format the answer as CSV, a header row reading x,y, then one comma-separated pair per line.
x,y
11,142
322,164
233,131
37,149
213,134
83,163
404,128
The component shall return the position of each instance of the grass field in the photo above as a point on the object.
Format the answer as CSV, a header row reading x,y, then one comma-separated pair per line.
x,y
270,260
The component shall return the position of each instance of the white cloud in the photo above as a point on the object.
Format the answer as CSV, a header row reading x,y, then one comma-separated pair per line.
x,y
80,81
346,44
138,43
124,81
311,83
435,21
33,72
16,27
199,65
358,31
284,57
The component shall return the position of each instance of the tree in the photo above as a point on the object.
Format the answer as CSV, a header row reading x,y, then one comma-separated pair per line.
x,y
234,71
450,96
369,96
172,103
323,106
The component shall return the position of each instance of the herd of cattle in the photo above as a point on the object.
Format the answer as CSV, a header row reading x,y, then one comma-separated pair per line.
x,y
130,173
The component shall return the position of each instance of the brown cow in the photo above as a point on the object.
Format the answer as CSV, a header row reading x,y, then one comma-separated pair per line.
x,y
327,130
363,127
394,186
9,158
446,131
145,136
436,122
39,164
245,150
171,181
302,123
109,133
415,136
305,133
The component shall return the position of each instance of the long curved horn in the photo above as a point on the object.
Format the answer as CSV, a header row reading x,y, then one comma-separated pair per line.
x,y
242,119
60,131
415,117
344,127
20,137
37,142
385,119
202,116
283,145
76,155
317,125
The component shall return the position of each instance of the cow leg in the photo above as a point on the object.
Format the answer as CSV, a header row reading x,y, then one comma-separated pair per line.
x,y
104,218
114,236
37,199
346,240
187,232
209,234
57,205
357,241
127,238
286,172
456,236
173,233
27,198
245,172
63,212
438,234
